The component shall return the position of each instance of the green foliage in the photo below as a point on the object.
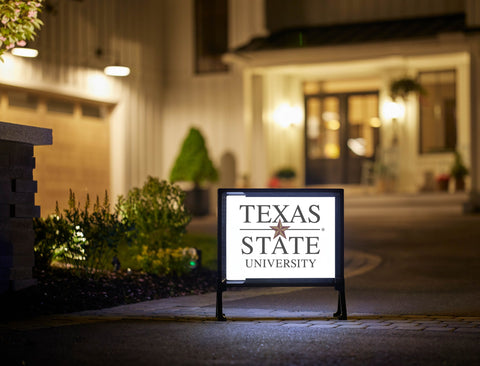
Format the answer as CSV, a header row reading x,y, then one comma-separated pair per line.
x,y
85,241
166,261
148,225
19,22
193,163
51,233
158,214
404,86
285,173
458,169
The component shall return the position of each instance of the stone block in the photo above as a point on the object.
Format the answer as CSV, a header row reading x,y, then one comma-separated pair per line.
x,y
22,160
23,198
6,248
20,273
7,147
22,242
16,172
21,224
4,160
6,261
6,196
5,184
24,261
4,211
24,185
22,149
10,132
24,211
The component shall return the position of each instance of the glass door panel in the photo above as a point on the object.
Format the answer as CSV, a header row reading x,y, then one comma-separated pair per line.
x,y
341,134
323,139
323,128
362,116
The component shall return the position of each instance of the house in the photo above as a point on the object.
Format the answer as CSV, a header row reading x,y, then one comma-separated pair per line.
x,y
303,84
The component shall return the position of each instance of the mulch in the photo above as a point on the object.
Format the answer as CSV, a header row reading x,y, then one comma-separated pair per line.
x,y
60,291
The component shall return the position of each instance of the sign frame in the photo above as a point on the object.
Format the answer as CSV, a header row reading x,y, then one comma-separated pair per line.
x,y
337,281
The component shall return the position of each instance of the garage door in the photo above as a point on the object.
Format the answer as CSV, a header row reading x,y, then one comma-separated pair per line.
x,y
79,158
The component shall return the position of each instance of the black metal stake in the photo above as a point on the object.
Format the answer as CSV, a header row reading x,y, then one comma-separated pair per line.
x,y
220,288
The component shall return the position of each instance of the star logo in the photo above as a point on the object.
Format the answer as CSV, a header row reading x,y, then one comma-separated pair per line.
x,y
279,229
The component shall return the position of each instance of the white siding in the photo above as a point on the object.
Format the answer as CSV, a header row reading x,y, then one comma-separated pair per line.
x,y
211,102
68,64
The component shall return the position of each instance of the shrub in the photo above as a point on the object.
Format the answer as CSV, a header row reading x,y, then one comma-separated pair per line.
x,y
152,218
158,214
51,234
193,163
86,241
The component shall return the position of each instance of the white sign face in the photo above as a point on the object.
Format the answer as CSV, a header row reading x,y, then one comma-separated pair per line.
x,y
279,237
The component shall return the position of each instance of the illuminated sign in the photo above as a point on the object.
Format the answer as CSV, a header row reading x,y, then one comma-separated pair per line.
x,y
275,237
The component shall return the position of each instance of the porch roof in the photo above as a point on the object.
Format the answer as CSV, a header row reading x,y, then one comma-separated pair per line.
x,y
355,33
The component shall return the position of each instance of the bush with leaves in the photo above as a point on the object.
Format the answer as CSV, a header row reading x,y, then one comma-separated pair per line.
x,y
152,218
51,234
86,241
158,214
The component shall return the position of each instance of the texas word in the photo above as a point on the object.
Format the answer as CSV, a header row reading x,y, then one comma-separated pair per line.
x,y
286,213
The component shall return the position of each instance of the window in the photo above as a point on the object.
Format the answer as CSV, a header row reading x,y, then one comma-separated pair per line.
x,y
438,126
60,106
211,35
22,99
93,110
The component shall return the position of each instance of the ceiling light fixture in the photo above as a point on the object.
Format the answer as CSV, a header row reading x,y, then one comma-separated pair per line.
x,y
117,71
24,52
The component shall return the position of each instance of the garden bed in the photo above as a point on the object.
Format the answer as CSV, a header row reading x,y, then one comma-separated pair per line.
x,y
60,291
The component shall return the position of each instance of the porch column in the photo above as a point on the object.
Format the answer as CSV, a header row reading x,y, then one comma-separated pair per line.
x,y
473,204
257,156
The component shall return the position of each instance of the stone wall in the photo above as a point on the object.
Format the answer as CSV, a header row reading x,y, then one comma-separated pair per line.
x,y
17,203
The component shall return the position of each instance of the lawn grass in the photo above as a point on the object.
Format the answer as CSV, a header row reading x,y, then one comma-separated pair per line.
x,y
204,242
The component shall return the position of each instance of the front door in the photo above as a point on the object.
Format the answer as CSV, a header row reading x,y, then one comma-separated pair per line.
x,y
341,134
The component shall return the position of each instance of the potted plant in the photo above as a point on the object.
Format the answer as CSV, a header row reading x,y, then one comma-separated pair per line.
x,y
403,87
194,165
459,171
283,178
442,181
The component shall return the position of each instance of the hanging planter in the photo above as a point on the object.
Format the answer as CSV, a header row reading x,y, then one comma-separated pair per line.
x,y
404,86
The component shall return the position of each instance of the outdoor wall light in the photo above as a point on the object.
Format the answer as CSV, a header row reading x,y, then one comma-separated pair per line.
x,y
375,122
286,115
393,110
117,71
24,52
